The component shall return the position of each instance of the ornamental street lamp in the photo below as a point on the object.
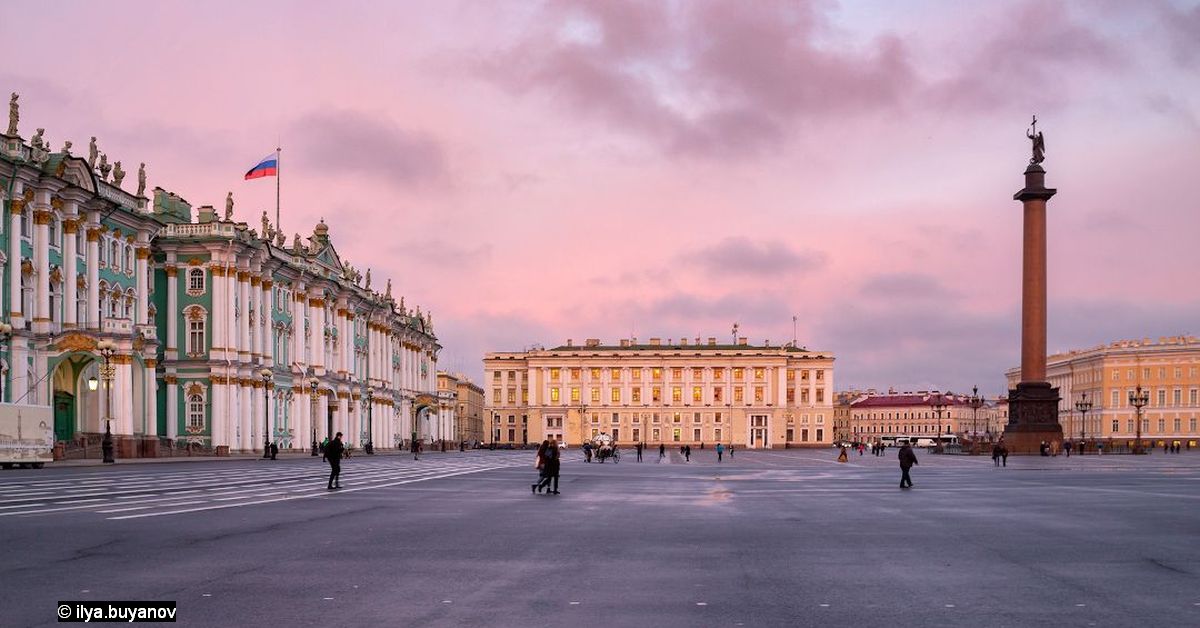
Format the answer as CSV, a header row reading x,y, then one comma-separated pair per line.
x,y
5,335
1083,405
976,404
1138,399
266,377
938,406
107,371
369,401
312,394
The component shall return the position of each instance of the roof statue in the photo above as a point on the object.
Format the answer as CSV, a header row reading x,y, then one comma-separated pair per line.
x,y
92,152
14,113
37,141
229,206
368,287
266,226
388,293
141,179
402,310
429,321
66,149
118,174
280,239
296,244
104,167
1039,143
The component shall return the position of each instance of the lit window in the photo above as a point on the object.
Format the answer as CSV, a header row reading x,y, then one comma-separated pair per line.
x,y
554,395
637,395
595,395
697,394
697,373
616,395
554,375
595,373
739,373
614,374
758,373
676,394
575,395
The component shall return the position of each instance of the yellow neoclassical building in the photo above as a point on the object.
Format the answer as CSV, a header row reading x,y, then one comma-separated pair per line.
x,y
1168,370
678,393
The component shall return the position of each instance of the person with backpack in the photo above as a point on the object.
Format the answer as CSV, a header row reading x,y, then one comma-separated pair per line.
x,y
907,460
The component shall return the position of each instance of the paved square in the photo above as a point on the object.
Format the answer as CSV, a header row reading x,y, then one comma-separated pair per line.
x,y
765,539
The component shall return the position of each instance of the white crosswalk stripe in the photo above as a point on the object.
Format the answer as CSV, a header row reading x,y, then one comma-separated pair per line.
x,y
128,495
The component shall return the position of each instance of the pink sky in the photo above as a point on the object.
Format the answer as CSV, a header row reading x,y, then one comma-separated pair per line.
x,y
535,172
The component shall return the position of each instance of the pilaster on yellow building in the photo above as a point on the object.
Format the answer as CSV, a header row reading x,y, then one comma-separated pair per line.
x,y
676,393
1169,370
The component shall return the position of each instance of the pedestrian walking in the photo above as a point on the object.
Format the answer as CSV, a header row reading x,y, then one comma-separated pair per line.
x,y
550,463
687,453
1067,448
274,450
662,452
907,460
720,451
1003,453
638,447
996,454
333,454
842,457
416,449
539,463
731,451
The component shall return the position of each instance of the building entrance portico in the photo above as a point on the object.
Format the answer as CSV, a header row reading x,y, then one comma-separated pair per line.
x,y
758,431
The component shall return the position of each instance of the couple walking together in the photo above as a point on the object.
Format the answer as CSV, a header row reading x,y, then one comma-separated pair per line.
x,y
548,458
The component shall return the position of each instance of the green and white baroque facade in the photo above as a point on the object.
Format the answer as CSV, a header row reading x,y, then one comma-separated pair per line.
x,y
198,306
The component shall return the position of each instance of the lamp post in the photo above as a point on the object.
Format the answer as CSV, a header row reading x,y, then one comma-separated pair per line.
x,y
1138,399
5,335
1083,405
266,377
107,371
312,394
369,401
939,406
976,404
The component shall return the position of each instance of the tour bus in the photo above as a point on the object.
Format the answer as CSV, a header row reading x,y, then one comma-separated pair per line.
x,y
926,441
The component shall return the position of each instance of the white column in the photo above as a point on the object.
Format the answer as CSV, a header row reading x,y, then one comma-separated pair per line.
x,y
317,326
14,258
70,268
122,398
93,277
217,414
172,409
268,322
172,312
150,398
246,416
140,274
216,319
41,259
242,286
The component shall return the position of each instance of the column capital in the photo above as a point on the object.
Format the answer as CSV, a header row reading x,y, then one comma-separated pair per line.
x,y
172,271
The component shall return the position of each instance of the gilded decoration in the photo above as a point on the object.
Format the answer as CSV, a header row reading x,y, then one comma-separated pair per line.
x,y
343,395
17,206
218,379
121,359
56,274
243,275
255,280
142,253
194,388
194,261
56,203
42,216
27,267
139,343
172,271
75,342
170,379
150,362
217,270
93,234
267,283
70,226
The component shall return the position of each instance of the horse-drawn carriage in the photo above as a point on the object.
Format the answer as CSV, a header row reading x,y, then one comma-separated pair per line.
x,y
604,448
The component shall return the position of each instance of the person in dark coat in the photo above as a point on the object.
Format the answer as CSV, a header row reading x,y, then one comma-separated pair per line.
x,y
1003,453
333,453
274,450
662,452
550,463
687,453
907,460
996,454
540,464
639,451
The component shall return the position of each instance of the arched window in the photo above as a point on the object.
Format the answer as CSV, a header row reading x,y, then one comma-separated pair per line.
x,y
114,303
103,290
81,313
53,229
196,327
195,281
114,254
56,301
195,411
130,301
129,258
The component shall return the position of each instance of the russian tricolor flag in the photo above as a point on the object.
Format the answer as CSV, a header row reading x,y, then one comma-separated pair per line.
x,y
268,167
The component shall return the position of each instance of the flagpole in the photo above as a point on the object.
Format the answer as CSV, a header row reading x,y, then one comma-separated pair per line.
x,y
278,172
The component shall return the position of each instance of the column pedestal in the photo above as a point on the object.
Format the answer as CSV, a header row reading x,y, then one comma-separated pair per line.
x,y
1032,418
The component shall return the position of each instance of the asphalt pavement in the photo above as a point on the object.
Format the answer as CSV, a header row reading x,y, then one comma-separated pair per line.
x,y
769,538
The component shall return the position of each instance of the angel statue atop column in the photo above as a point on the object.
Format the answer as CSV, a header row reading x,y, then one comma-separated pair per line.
x,y
1039,143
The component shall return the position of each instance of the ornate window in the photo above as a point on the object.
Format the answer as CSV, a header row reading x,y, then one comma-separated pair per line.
x,y
195,281
195,411
114,255
196,327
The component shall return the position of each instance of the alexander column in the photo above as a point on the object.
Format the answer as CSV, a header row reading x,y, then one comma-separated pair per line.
x,y
1033,404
